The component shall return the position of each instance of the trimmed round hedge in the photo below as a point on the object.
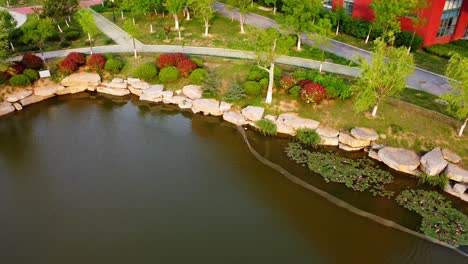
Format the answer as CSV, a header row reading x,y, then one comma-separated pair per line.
x,y
252,88
20,80
145,72
169,74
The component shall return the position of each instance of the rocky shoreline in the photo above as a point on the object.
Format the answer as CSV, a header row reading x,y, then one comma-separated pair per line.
x,y
434,163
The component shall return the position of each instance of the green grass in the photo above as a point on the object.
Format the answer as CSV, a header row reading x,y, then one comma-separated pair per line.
x,y
424,100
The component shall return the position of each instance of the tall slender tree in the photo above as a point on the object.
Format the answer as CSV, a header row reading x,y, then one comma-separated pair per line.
x,y
37,31
134,33
457,75
59,10
320,36
3,41
387,16
86,20
9,24
203,8
417,8
274,4
243,8
175,7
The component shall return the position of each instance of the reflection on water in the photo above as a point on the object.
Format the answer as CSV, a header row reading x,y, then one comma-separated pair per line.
x,y
91,180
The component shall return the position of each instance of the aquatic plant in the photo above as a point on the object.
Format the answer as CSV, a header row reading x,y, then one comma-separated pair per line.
x,y
435,181
266,127
308,137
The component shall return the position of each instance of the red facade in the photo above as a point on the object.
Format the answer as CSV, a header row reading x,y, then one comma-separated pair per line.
x,y
429,31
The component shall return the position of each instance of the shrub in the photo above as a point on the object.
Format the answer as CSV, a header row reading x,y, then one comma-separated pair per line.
x,y
252,88
165,60
33,75
198,76
434,181
295,91
313,93
145,72
300,74
198,61
444,50
55,37
3,77
211,85
20,80
336,87
65,44
266,127
403,38
304,83
96,62
32,61
113,66
186,67
168,74
68,66
16,68
72,35
178,57
235,92
287,81
308,137
264,83
77,57
256,76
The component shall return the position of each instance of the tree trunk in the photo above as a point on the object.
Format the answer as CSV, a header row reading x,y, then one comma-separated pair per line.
x,y
180,36
368,36
241,23
188,13
299,42
134,48
206,26
121,15
374,111
151,28
90,44
460,133
176,19
411,42
274,9
42,52
337,28
12,47
321,60
271,74
66,22
59,28
133,20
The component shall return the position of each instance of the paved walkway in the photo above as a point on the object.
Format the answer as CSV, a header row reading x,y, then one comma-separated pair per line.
x,y
422,79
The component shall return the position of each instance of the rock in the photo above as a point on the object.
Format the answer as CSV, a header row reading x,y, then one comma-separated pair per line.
x,y
207,106
450,156
193,91
353,142
223,106
459,188
374,155
137,92
329,141
270,117
119,85
16,96
167,97
117,80
349,148
400,159
82,79
296,122
133,80
139,85
376,146
235,118
365,134
464,197
282,128
72,90
178,99
253,113
456,173
327,132
186,104
6,108
48,90
433,163
448,189
153,94
34,99
178,92
17,106
113,91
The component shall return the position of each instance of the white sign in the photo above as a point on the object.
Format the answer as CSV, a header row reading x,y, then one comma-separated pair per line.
x,y
44,74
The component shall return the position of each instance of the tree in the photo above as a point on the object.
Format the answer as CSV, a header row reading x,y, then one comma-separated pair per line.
x,y
204,8
243,6
320,37
134,7
269,46
37,31
339,14
58,9
175,7
387,15
417,8
384,76
3,41
8,24
458,78
299,16
133,31
274,4
86,20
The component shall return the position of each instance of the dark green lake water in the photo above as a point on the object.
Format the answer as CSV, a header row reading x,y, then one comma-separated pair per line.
x,y
89,180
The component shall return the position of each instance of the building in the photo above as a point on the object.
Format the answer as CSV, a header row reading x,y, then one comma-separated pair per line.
x,y
447,20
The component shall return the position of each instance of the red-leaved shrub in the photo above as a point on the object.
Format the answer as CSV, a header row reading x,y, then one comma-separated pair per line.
x,y
186,67
32,61
313,93
178,57
79,58
96,62
288,81
165,60
304,83
68,66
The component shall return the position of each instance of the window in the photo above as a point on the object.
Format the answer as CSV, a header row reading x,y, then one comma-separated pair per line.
x,y
349,6
449,19
327,4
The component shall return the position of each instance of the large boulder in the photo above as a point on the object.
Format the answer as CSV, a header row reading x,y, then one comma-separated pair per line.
x,y
179,99
348,148
6,108
186,104
456,173
113,91
460,188
329,141
373,155
34,99
282,128
167,97
253,113
193,91
136,86
48,90
297,122
116,85
235,118
400,159
223,106
153,94
72,90
450,156
433,163
364,134
82,79
352,142
327,132
206,106
16,96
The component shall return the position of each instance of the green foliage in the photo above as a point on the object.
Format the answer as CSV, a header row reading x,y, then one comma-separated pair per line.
x,y
446,50
299,14
20,80
36,31
434,181
197,61
252,88
440,220
300,74
211,85
336,87
308,137
198,76
257,75
235,92
58,9
33,75
113,66
405,38
388,14
146,72
295,91
359,175
266,127
72,35
355,27
264,83
169,74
